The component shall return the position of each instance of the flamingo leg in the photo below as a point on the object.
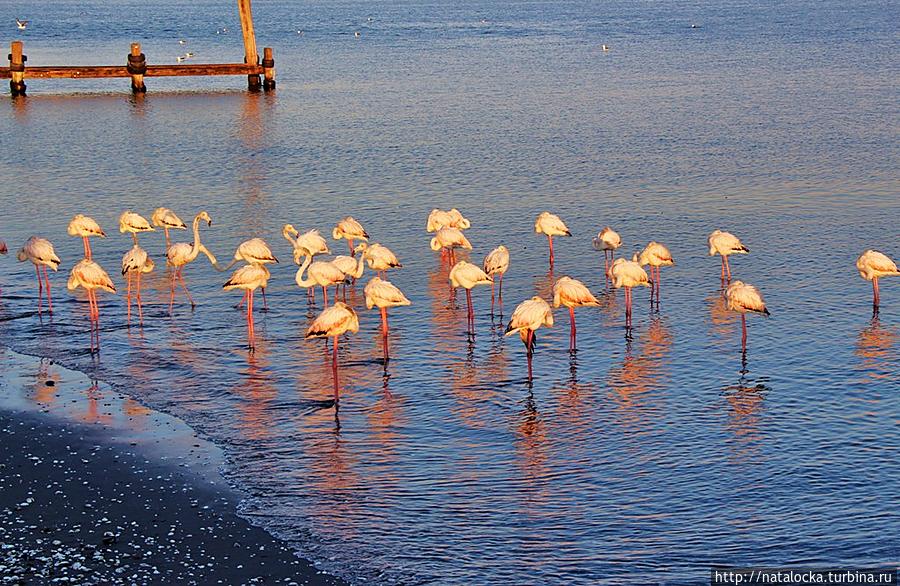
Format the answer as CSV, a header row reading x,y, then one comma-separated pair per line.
x,y
134,238
128,294
723,268
500,292
550,240
384,333
172,293
471,314
350,246
250,332
166,230
87,247
49,297
571,328
728,269
529,350
243,300
334,371
184,286
492,298
743,331
325,295
265,303
140,308
627,306
37,272
875,291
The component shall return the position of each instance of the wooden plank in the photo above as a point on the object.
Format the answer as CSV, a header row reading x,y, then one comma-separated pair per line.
x,y
250,54
103,71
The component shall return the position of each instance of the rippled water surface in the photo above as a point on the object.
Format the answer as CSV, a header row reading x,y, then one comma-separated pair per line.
x,y
649,454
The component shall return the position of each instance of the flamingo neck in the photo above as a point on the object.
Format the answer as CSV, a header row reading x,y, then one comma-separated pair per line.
x,y
195,249
299,278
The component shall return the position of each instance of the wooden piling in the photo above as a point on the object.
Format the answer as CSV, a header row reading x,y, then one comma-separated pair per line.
x,y
268,64
16,69
137,67
251,57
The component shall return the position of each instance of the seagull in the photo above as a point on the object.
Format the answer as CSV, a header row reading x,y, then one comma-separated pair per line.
x,y
182,42
21,24
604,48
180,58
356,34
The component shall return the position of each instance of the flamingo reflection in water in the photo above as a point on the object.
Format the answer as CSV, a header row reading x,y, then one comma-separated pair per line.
x,y
875,348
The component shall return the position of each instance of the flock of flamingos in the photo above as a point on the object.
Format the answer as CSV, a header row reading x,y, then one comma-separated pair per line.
x,y
339,318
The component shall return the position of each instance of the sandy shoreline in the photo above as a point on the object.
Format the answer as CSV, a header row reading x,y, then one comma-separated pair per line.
x,y
85,501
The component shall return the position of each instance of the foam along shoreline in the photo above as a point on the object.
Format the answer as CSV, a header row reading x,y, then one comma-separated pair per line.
x,y
97,489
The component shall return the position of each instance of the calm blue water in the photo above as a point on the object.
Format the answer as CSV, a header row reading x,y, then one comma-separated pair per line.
x,y
645,457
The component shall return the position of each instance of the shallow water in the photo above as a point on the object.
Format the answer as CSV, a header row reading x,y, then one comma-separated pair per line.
x,y
645,457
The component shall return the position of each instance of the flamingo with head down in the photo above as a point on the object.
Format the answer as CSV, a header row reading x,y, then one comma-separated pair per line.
x,y
527,318
333,322
91,276
383,294
85,227
551,225
41,254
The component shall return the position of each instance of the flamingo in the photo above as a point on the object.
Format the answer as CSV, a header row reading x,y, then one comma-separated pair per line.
x,y
527,318
310,242
466,275
136,262
249,278
134,223
41,254
438,219
379,257
497,263
449,239
351,230
322,274
724,244
873,264
628,274
85,227
656,255
256,252
332,323
182,253
384,294
743,297
91,276
551,225
607,240
572,293
3,249
167,220
351,267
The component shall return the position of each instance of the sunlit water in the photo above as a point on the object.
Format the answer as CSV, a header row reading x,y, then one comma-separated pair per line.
x,y
645,457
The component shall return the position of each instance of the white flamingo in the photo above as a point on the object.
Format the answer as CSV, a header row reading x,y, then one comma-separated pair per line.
x,y
656,255
310,242
383,294
136,262
91,276
254,251
167,220
41,254
448,239
466,275
351,230
572,293
527,318
181,253
497,263
551,225
628,274
725,244
438,219
321,274
873,265
248,278
333,322
133,223
380,258
607,240
85,227
743,298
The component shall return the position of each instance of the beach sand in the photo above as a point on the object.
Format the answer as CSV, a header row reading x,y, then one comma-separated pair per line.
x,y
82,506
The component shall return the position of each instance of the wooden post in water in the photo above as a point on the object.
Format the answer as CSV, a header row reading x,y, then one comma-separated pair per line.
x,y
137,67
251,57
268,64
16,69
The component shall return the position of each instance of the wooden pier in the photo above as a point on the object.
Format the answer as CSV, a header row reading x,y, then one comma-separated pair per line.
x,y
260,75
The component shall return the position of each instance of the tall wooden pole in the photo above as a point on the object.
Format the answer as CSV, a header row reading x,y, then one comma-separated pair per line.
x,y
250,55
16,69
137,67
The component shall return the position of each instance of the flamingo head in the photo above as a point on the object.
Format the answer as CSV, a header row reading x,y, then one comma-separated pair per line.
x,y
204,216
289,230
435,245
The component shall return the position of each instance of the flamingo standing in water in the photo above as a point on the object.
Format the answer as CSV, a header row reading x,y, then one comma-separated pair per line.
x,y
41,254
91,276
379,257
628,274
497,263
871,266
167,220
607,240
725,244
333,322
526,319
438,219
136,262
384,294
85,227
743,297
466,275
133,223
572,293
351,267
249,278
448,239
351,230
321,274
256,252
181,253
551,225
656,255
310,242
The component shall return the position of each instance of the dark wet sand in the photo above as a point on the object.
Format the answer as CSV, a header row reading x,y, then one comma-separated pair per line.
x,y
77,509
